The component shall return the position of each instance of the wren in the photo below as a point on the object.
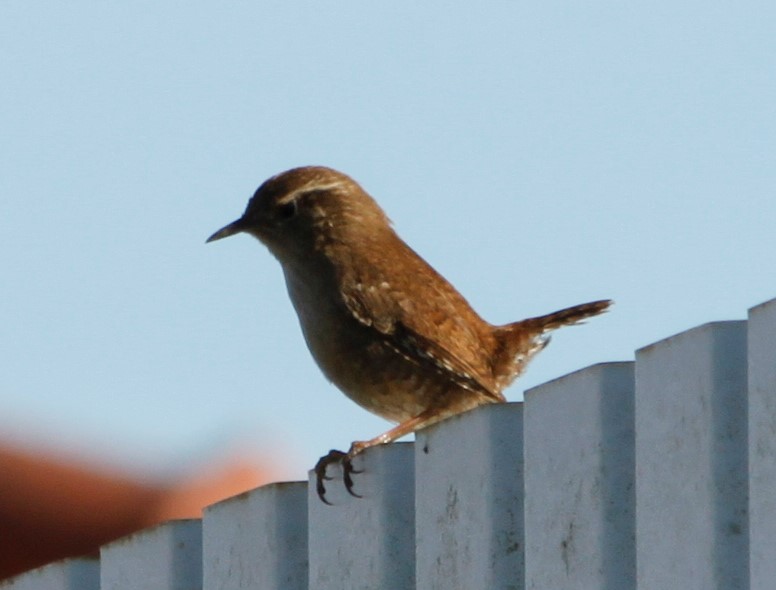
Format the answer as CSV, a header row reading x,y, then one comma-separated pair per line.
x,y
380,322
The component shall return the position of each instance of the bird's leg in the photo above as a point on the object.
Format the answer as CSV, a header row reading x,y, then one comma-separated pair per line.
x,y
359,446
334,456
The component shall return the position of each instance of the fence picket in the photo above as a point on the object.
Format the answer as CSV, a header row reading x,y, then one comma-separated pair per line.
x,y
658,473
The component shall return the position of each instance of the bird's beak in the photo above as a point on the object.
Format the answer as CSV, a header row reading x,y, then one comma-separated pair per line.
x,y
228,230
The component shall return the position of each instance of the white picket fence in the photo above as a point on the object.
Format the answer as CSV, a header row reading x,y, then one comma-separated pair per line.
x,y
658,474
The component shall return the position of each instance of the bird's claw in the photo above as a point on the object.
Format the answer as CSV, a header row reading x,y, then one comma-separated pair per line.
x,y
334,456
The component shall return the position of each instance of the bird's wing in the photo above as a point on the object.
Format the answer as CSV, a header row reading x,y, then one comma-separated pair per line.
x,y
421,316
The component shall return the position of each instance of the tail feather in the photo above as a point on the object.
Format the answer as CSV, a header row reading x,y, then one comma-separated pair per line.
x,y
565,317
521,341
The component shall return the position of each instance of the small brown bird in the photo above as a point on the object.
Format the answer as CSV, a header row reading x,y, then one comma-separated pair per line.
x,y
384,326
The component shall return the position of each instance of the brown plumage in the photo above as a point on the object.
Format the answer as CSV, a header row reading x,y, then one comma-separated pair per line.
x,y
381,323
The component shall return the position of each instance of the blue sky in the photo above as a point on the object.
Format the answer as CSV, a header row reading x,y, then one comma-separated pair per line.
x,y
538,155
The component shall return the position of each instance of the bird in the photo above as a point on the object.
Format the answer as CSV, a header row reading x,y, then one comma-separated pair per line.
x,y
383,326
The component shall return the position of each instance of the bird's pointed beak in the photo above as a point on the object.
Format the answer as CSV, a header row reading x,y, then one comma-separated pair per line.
x,y
228,230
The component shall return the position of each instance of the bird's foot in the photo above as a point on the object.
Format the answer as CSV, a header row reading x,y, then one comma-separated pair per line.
x,y
344,459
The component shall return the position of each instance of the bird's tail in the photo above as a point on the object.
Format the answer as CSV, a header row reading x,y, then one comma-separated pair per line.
x,y
564,317
520,341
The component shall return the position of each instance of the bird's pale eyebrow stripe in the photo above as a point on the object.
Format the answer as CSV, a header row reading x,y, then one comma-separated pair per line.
x,y
310,186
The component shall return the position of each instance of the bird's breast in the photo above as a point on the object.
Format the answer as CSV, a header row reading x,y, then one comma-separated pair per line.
x,y
360,360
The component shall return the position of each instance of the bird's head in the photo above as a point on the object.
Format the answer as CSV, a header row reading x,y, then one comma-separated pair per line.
x,y
300,210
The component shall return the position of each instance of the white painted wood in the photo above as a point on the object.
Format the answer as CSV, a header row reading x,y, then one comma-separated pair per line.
x,y
368,542
69,574
691,460
166,557
762,445
469,501
649,476
579,489
257,540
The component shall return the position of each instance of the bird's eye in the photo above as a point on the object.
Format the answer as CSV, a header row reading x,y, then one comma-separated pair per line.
x,y
286,210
